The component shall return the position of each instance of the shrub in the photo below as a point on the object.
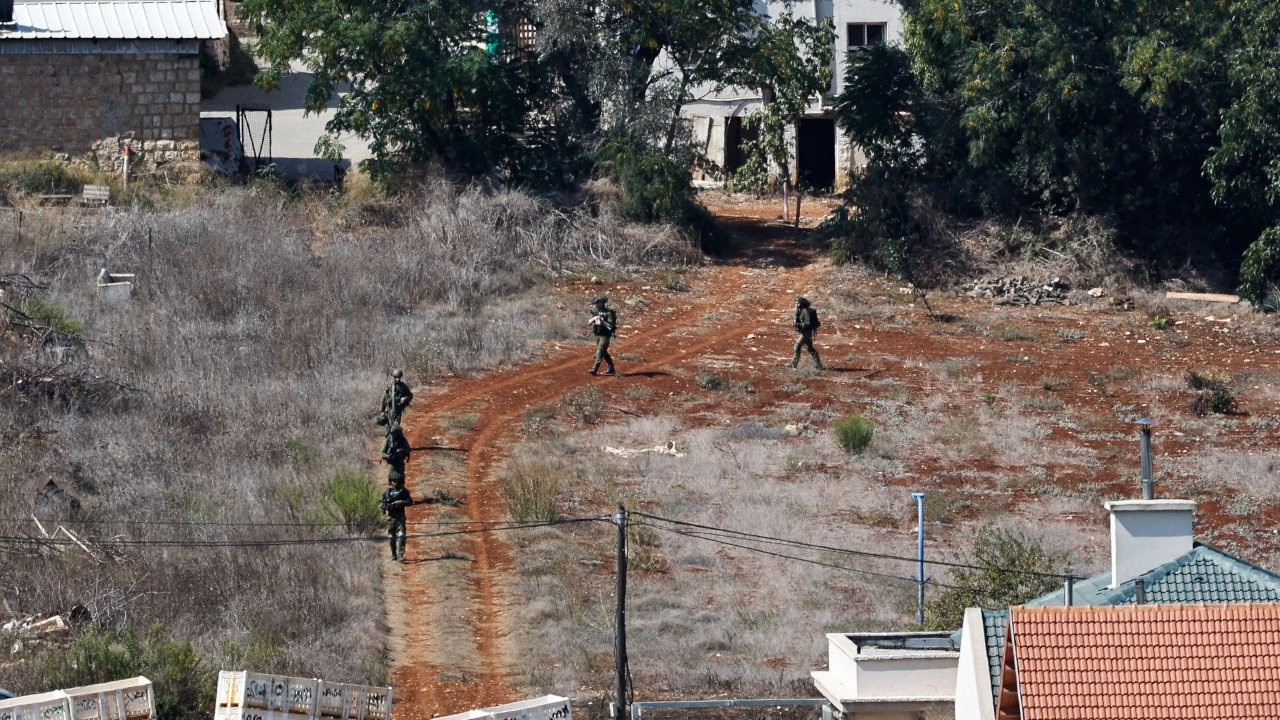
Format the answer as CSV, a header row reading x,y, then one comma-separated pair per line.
x,y
530,488
1005,569
354,501
1216,395
1159,322
586,406
182,682
709,380
854,434
51,315
34,178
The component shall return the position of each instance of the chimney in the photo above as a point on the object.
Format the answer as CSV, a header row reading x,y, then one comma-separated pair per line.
x,y
1146,534
6,12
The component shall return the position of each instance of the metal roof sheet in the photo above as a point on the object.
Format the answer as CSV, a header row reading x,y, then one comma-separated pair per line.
x,y
115,20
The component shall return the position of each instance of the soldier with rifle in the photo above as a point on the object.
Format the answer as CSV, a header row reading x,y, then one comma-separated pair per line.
x,y
603,324
806,324
395,399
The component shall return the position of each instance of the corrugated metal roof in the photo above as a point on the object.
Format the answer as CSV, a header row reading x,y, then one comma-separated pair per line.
x,y
116,20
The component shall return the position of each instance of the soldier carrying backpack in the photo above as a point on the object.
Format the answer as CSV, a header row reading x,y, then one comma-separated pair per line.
x,y
603,323
807,324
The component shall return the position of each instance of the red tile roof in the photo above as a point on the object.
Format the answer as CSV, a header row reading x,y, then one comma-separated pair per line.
x,y
1147,661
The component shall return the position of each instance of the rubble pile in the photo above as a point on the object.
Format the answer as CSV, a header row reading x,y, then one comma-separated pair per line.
x,y
1018,290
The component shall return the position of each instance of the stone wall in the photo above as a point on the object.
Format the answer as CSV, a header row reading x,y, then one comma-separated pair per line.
x,y
91,106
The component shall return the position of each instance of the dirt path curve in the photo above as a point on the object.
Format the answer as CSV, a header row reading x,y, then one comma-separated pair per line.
x,y
452,642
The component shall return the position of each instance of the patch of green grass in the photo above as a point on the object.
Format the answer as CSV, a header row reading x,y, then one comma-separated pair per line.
x,y
672,279
1070,334
353,501
47,313
1160,322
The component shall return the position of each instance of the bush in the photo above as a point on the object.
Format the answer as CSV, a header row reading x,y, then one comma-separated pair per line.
x,y
51,315
1260,269
854,434
34,178
353,500
1006,569
183,683
586,406
1216,395
708,380
530,488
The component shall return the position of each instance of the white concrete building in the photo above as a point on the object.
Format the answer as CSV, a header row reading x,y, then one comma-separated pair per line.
x,y
890,676
822,154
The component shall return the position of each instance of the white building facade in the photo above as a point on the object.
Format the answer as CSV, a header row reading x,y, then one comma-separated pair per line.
x,y
822,155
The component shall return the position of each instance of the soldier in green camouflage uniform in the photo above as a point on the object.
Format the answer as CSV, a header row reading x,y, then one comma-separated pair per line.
x,y
806,324
395,500
603,323
395,450
396,397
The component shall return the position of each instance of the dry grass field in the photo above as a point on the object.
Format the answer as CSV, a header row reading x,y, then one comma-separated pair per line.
x,y
229,403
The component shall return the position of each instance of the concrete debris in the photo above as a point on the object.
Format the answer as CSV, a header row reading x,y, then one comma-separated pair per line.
x,y
1018,290
668,449
1096,292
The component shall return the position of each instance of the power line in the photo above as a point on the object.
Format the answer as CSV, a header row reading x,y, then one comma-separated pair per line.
x,y
204,523
784,556
846,551
285,542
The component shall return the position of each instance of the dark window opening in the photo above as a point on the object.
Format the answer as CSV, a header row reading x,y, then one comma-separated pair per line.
x,y
865,34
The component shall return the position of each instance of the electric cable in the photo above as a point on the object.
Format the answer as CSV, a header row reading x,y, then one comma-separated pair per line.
x,y
848,551
800,559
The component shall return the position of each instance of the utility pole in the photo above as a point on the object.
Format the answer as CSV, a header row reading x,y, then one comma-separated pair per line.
x,y
919,496
620,620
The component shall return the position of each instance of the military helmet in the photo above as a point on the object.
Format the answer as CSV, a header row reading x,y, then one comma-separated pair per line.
x,y
802,301
397,373
395,427
600,299
395,475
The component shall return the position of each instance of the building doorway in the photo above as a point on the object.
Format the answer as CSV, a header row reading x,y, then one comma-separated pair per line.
x,y
737,135
816,154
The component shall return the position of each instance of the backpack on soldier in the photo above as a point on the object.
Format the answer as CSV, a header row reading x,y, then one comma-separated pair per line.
x,y
814,322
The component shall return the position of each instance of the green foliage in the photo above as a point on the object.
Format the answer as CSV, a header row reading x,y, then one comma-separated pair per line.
x,y
1260,270
1159,118
46,313
183,684
423,87
853,434
353,501
1159,322
1215,393
1008,569
789,60
657,189
35,178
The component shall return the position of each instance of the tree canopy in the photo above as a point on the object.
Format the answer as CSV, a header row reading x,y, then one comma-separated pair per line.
x,y
1157,116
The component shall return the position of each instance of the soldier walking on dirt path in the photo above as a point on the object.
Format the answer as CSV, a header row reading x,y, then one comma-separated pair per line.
x,y
395,450
807,324
395,499
395,398
603,324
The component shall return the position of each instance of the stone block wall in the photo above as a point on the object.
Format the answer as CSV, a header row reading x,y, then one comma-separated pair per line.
x,y
91,105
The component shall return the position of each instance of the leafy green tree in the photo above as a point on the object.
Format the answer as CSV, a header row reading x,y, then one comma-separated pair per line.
x,y
1245,164
1008,569
420,82
789,61
183,685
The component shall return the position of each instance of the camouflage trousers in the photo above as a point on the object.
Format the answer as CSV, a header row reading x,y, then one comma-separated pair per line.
x,y
806,341
602,353
396,533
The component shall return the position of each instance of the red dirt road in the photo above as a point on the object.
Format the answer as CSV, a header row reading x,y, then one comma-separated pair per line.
x,y
452,642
